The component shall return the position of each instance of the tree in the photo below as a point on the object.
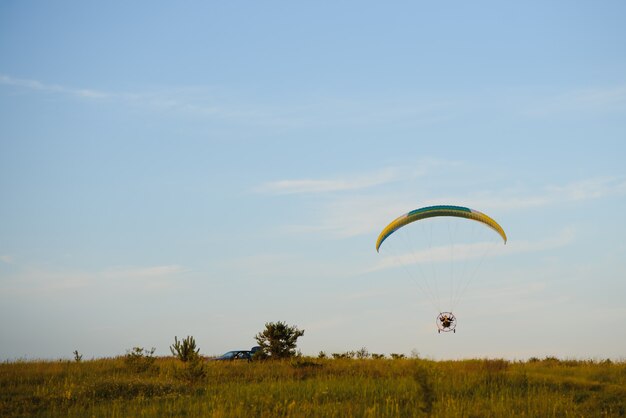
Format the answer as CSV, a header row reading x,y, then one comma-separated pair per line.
x,y
185,350
278,340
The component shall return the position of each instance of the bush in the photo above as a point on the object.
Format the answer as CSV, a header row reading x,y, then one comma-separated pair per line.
x,y
278,340
347,354
140,359
185,351
362,353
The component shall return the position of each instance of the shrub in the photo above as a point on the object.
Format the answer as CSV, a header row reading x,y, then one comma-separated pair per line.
x,y
185,350
140,359
362,353
347,354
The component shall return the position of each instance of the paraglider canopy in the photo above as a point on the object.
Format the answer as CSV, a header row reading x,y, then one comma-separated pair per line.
x,y
439,210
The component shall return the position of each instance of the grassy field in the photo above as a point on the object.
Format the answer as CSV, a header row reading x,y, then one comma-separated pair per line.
x,y
308,387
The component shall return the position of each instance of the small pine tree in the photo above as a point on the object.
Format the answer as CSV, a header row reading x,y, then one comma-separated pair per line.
x,y
278,340
185,350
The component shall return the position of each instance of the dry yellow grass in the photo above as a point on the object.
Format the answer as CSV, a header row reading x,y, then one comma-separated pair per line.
x,y
309,387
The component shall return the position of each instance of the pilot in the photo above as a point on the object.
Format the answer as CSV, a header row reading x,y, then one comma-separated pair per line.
x,y
446,321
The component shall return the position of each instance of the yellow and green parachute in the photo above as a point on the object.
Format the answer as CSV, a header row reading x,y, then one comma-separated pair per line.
x,y
439,210
445,263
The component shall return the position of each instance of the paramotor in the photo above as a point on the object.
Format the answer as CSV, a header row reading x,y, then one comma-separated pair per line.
x,y
428,247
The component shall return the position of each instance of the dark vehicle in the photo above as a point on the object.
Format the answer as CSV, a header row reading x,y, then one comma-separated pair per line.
x,y
235,355
238,355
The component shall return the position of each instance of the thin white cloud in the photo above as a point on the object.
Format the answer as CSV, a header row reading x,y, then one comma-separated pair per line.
x,y
344,216
145,272
37,281
352,182
263,265
353,216
90,94
6,258
203,101
161,101
610,98
330,185
601,96
37,85
472,251
281,266
511,292
588,189
591,189
332,111
369,294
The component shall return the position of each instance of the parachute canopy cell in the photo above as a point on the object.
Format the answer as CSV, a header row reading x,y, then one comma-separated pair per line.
x,y
440,210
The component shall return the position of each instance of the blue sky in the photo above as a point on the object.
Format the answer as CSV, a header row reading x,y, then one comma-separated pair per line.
x,y
206,168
